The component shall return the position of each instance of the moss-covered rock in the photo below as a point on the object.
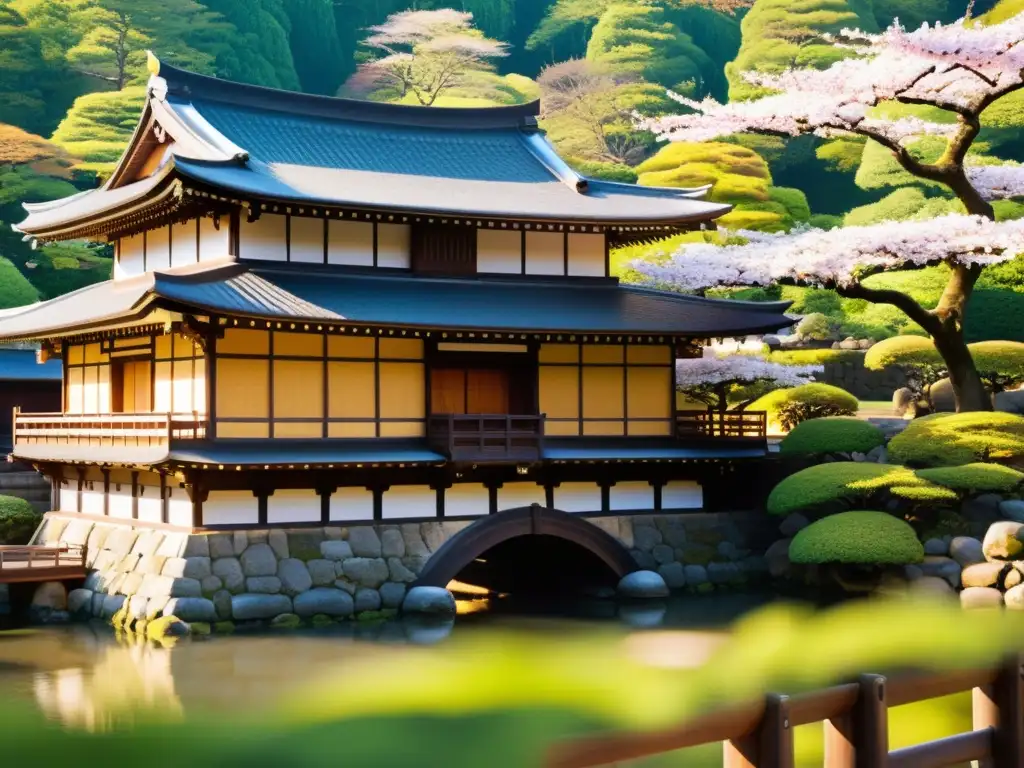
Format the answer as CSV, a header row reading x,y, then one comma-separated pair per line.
x,y
286,621
832,434
975,478
200,628
857,538
321,620
224,627
835,485
954,439
166,627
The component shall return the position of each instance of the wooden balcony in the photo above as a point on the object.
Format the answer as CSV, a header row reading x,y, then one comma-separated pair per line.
x,y
41,563
741,426
482,438
107,430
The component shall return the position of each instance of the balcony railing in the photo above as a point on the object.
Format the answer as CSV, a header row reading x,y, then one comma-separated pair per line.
x,y
737,425
487,437
113,429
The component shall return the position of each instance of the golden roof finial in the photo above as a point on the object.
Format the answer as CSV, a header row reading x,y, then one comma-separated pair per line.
x,y
152,63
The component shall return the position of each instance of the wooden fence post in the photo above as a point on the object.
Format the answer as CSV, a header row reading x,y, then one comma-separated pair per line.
x,y
871,723
1000,707
770,745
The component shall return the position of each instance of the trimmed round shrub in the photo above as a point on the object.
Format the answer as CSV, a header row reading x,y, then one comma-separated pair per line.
x,y
954,439
857,538
788,407
975,478
827,487
903,351
814,326
18,521
832,434
999,362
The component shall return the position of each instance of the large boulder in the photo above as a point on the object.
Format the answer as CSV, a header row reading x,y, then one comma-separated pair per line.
x,y
966,550
777,556
1014,598
366,571
932,586
436,601
943,568
983,574
294,576
642,585
1003,541
981,597
259,560
325,600
191,609
936,547
1012,509
1011,401
903,400
941,396
245,607
793,524
364,541
50,595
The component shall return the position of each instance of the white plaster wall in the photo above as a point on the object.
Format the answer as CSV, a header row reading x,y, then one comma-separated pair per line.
x,y
586,254
352,504
393,249
183,243
545,253
499,251
92,501
350,242
293,505
631,495
230,508
682,494
129,257
158,249
467,499
512,495
68,496
179,508
404,501
149,503
263,239
120,503
307,240
578,497
215,243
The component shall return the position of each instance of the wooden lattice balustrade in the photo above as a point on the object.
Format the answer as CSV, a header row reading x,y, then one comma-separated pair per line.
x,y
107,429
41,563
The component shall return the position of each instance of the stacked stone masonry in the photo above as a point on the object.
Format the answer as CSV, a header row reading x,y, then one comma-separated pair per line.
x,y
339,572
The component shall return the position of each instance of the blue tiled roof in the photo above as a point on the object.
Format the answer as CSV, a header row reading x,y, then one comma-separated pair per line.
x,y
21,365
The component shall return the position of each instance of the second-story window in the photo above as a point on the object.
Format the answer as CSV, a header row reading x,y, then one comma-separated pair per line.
x,y
444,250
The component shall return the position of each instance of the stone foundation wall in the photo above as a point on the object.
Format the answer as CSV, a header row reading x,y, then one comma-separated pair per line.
x,y
850,374
339,572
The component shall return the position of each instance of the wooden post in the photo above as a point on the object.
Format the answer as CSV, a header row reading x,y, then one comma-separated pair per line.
x,y
871,724
770,746
839,751
1000,707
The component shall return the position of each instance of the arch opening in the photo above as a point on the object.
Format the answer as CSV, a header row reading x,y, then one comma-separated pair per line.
x,y
532,554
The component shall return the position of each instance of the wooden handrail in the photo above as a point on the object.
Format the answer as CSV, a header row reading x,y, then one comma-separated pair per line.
x,y
29,555
759,734
722,424
132,428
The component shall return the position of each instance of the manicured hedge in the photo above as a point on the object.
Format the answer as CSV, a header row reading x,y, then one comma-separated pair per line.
x,y
827,487
975,478
832,434
18,521
789,407
859,537
953,439
902,350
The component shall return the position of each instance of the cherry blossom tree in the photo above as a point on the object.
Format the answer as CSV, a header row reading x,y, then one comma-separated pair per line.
x,y
962,68
424,53
711,379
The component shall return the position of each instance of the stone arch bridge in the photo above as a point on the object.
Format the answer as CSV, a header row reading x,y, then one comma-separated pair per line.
x,y
334,570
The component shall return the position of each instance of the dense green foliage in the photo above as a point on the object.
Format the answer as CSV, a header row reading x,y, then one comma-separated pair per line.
x,y
953,439
789,407
18,521
857,538
832,434
975,478
836,485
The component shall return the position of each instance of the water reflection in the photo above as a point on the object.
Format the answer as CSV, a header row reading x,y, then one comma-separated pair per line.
x,y
86,676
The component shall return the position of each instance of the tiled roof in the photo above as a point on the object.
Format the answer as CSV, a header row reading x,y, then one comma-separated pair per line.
x,y
308,293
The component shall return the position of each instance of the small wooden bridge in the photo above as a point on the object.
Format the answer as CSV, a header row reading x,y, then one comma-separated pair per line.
x,y
40,563
759,734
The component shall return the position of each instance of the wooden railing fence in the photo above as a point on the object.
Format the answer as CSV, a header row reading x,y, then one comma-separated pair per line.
x,y
483,437
34,556
759,734
107,429
750,425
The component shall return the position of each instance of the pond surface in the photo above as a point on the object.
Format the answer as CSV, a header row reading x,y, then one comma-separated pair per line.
x,y
84,675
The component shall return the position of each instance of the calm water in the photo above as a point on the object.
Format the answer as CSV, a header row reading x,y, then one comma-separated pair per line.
x,y
83,675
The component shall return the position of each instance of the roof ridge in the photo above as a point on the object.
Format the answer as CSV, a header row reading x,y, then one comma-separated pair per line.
x,y
190,85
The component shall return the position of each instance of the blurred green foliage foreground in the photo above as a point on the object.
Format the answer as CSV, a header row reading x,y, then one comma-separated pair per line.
x,y
501,699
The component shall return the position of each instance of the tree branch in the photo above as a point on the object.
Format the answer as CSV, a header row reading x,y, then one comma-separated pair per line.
x,y
901,301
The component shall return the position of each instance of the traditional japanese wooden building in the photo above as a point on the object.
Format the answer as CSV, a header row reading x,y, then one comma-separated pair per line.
x,y
327,310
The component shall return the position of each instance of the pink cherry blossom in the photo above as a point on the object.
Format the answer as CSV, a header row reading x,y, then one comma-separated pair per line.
x,y
837,257
740,369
